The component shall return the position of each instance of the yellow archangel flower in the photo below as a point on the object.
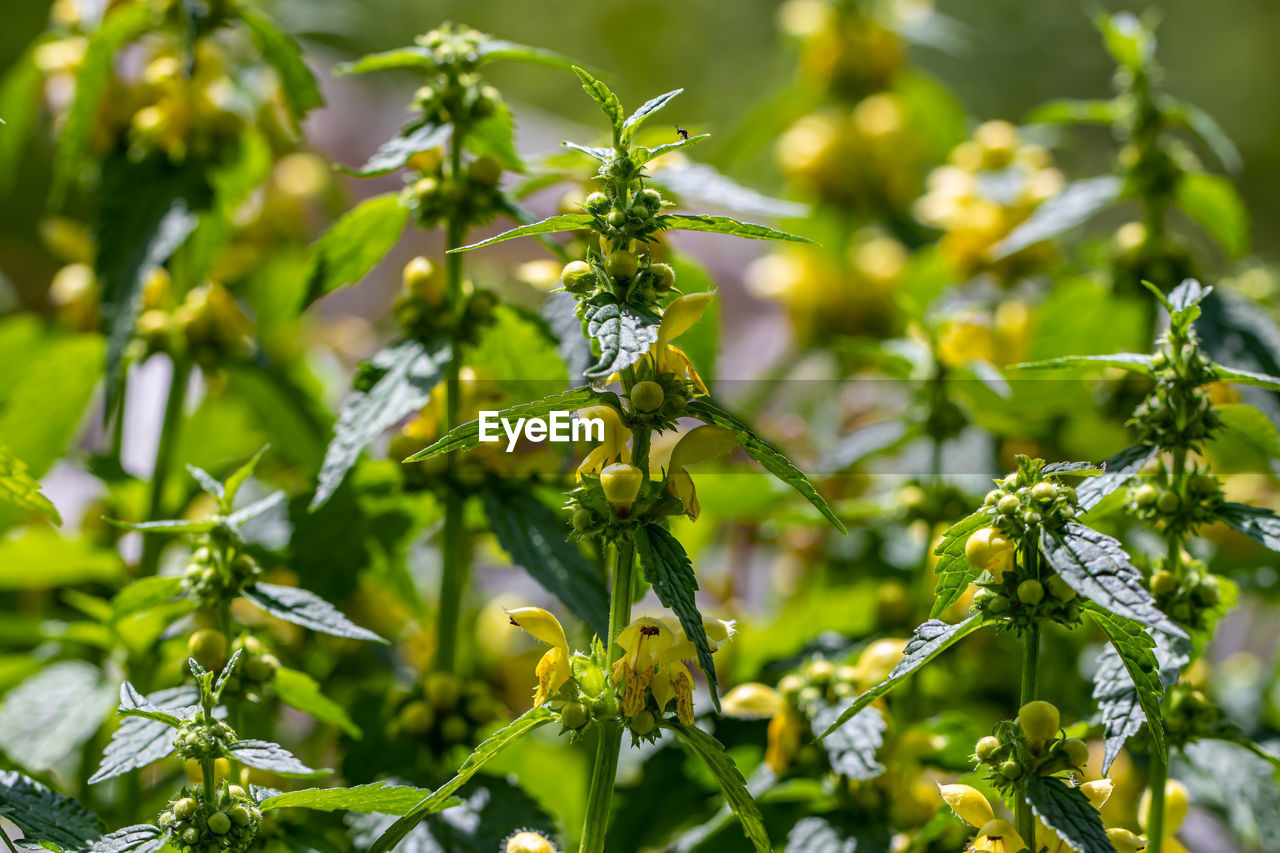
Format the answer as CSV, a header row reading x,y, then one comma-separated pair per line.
x,y
642,642
553,669
994,835
677,319
698,444
613,448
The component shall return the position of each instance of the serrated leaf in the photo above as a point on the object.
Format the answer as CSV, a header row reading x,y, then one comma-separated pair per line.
x,y
711,752
134,704
929,640
768,456
1258,523
45,816
953,569
413,56
501,50
1097,567
1214,204
724,225
1074,469
852,747
641,155
1079,202
296,605
604,97
52,714
1135,362
550,225
284,55
207,482
467,435
669,571
1225,777
647,109
355,244
265,755
117,29
299,690
19,489
1246,377
148,209
493,810
442,797
1117,470
535,538
1134,648
412,371
624,331
224,676
595,152
395,152
376,797
140,838
1245,424
258,508
1120,703
1067,811
140,741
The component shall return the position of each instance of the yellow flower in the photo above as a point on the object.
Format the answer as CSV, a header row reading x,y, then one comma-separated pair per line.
x,y
968,803
613,448
672,680
698,444
677,319
642,642
877,661
553,669
998,836
786,730
752,701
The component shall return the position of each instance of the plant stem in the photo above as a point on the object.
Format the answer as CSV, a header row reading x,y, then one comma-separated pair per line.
x,y
1155,818
169,428
1030,676
605,769
455,569
210,789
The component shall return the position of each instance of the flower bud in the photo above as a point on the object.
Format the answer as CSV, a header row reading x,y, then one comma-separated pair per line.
x,y
528,841
1163,583
664,277
577,277
422,280
986,748
621,483
1059,588
647,396
1145,495
219,823
1168,503
1044,492
583,518
209,647
989,550
240,816
650,199
621,263
643,723
1008,504
596,203
1031,592
486,170
185,807
1077,751
752,701
573,715
1039,720
1125,841
968,803
416,718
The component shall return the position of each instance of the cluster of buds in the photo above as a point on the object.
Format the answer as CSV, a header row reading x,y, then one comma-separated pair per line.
x,y
228,825
421,311
1013,595
216,573
990,185
1179,412
1035,745
849,48
1025,501
1189,715
208,324
203,739
472,196
1191,599
454,93
444,711
1175,514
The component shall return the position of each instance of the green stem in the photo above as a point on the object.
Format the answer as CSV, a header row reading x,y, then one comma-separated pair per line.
x,y
605,769
455,569
210,786
169,428
1030,676
1155,818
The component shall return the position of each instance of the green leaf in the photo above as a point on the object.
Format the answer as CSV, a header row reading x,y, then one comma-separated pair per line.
x,y
395,152
272,757
208,483
724,225
442,797
1246,377
118,28
1097,567
624,331
1074,111
45,816
929,640
413,56
953,569
134,704
1079,202
410,371
148,209
40,558
711,752
282,53
1212,201
699,182
140,741
307,609
299,690
1211,133
1248,425
647,109
238,477
467,435
501,50
669,571
550,225
52,714
641,155
495,136
534,536
1154,662
1130,42
1260,524
769,457
21,92
852,746
355,244
257,508
1117,470
1184,300
1132,361
140,838
519,350
604,97
171,525
493,810
19,489
1068,811
377,797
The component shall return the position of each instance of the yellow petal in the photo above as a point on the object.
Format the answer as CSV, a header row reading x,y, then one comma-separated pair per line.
x,y
680,486
552,671
672,359
1003,837
752,701
702,443
1126,842
541,624
968,803
785,731
1098,791
682,313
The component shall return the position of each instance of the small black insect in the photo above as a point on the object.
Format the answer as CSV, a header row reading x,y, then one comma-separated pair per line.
x,y
684,134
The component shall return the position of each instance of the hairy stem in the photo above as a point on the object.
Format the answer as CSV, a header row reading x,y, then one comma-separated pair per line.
x,y
455,569
169,429
210,786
